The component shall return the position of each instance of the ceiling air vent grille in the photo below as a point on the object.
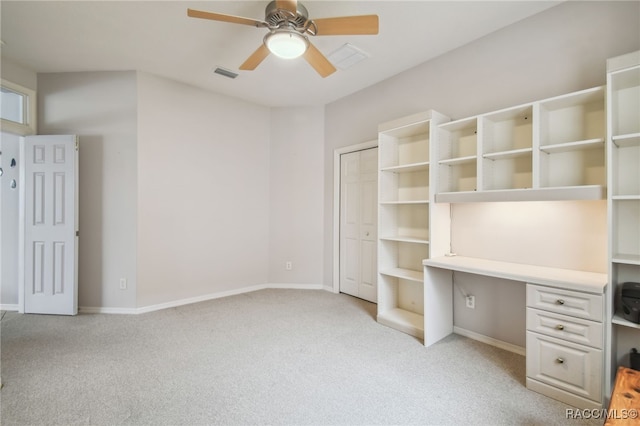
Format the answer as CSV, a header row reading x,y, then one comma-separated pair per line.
x,y
225,72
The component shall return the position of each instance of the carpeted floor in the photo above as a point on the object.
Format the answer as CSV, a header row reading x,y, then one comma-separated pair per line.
x,y
293,357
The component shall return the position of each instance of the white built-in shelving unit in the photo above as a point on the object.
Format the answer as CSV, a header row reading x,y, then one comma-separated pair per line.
x,y
406,215
580,146
623,153
547,150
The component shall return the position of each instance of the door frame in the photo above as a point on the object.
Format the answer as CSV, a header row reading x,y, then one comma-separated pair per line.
x,y
336,203
21,227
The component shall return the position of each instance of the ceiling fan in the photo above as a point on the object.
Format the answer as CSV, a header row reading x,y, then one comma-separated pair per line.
x,y
289,25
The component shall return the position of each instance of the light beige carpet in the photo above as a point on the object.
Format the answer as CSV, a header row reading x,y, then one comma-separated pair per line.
x,y
292,357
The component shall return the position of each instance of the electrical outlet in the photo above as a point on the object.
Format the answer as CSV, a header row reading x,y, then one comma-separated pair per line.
x,y
471,302
123,283
288,266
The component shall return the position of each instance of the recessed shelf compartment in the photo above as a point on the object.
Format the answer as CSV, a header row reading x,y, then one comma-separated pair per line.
x,y
399,256
621,273
405,274
403,320
625,169
573,167
406,145
507,170
409,186
626,235
625,101
506,145
404,220
578,116
572,134
507,130
458,139
459,175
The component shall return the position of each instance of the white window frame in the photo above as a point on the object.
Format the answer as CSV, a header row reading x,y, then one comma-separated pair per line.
x,y
29,112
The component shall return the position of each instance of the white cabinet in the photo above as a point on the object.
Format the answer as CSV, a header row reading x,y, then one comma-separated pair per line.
x,y
405,213
564,345
623,152
547,150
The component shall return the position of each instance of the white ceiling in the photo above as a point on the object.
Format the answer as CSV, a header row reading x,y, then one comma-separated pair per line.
x,y
158,37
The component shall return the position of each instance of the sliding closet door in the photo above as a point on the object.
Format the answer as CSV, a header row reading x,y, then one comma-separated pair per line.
x,y
358,223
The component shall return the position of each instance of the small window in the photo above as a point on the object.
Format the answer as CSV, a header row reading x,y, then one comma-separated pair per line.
x,y
17,109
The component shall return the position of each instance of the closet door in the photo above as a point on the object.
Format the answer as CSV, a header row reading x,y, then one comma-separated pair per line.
x,y
358,224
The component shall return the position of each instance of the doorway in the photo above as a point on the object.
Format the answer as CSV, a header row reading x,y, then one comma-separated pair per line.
x,y
356,217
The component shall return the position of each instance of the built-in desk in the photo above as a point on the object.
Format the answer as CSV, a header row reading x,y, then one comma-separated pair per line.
x,y
568,279
565,322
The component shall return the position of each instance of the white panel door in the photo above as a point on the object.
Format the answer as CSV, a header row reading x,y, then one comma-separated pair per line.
x,y
358,224
51,218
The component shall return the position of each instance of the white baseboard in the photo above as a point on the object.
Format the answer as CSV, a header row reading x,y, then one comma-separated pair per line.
x,y
490,341
8,307
203,298
106,310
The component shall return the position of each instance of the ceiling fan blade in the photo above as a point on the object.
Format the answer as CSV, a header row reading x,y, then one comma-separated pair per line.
x,y
255,59
290,5
225,18
318,61
347,25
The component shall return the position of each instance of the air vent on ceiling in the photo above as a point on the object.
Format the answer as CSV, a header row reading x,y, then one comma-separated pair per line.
x,y
225,72
347,56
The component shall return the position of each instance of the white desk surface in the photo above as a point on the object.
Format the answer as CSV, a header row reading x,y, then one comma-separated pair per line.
x,y
591,282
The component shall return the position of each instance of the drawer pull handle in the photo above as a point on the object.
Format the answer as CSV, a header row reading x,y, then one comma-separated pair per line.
x,y
560,360
559,327
560,302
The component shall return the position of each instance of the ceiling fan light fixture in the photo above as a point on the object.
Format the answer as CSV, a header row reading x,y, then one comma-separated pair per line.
x,y
286,44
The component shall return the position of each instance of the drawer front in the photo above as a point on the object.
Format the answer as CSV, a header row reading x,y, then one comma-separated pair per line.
x,y
567,302
577,330
564,365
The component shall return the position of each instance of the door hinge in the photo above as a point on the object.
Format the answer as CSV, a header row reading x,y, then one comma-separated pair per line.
x,y
77,233
77,143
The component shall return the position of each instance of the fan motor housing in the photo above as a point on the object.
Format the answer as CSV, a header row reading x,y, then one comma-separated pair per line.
x,y
277,17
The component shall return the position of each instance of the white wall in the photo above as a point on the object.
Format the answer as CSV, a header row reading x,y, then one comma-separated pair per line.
x,y
296,205
9,220
9,145
558,51
203,192
99,107
18,74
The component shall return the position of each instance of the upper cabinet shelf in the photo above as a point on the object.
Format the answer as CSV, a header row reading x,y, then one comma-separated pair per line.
x,y
552,149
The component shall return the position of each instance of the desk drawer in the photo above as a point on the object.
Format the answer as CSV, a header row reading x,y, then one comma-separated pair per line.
x,y
577,330
564,365
567,302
